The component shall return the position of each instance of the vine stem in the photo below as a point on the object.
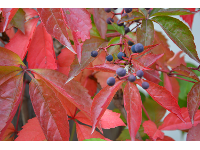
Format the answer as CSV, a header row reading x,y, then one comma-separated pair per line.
x,y
182,79
146,112
73,131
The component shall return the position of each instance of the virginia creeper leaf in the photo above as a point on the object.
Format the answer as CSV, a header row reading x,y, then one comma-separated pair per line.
x,y
119,29
9,58
148,59
10,97
88,46
186,72
41,52
30,13
31,131
152,75
133,106
193,100
8,14
151,130
49,111
194,133
8,133
100,17
138,65
166,138
134,16
153,11
20,42
172,122
101,102
188,18
102,78
55,25
105,68
163,97
114,50
176,60
179,33
145,34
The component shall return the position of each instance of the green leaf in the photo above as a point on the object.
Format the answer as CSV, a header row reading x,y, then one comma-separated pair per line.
x,y
171,11
134,16
179,33
124,135
119,29
94,31
94,139
114,50
145,34
154,10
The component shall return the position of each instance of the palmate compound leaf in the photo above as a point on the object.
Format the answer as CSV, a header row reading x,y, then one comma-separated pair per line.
x,y
163,97
179,33
10,95
41,52
133,106
55,25
31,131
49,110
101,102
194,133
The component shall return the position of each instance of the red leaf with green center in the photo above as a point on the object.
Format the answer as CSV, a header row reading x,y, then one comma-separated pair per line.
x,y
31,131
188,18
193,100
163,97
49,111
194,133
133,106
149,59
41,52
55,25
101,102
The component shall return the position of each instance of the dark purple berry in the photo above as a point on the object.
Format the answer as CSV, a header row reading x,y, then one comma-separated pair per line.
x,y
115,8
107,10
133,49
128,10
119,24
120,54
147,8
130,43
145,85
109,20
111,81
126,30
139,47
94,53
109,58
121,72
131,78
140,73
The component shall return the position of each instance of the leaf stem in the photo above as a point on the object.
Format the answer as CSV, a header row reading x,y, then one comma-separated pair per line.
x,y
73,131
182,79
146,112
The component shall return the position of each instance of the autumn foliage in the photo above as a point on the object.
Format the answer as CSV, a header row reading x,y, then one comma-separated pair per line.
x,y
72,85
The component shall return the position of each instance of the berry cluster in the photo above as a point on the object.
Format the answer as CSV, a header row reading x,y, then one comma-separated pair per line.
x,y
123,73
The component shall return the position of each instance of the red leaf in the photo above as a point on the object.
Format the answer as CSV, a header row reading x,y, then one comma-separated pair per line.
x,y
163,97
20,42
133,106
55,25
194,133
172,122
176,60
166,138
101,102
148,59
78,46
11,88
188,18
9,58
109,119
193,100
41,52
49,111
100,17
84,132
64,60
30,13
152,75
138,65
8,133
105,68
31,131
102,78
151,130
8,14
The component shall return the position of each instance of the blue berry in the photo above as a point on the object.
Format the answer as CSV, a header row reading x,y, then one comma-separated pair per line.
x,y
107,10
128,10
119,24
131,78
111,81
120,54
140,73
145,85
139,47
94,53
126,30
133,49
130,43
109,20
109,58
121,72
